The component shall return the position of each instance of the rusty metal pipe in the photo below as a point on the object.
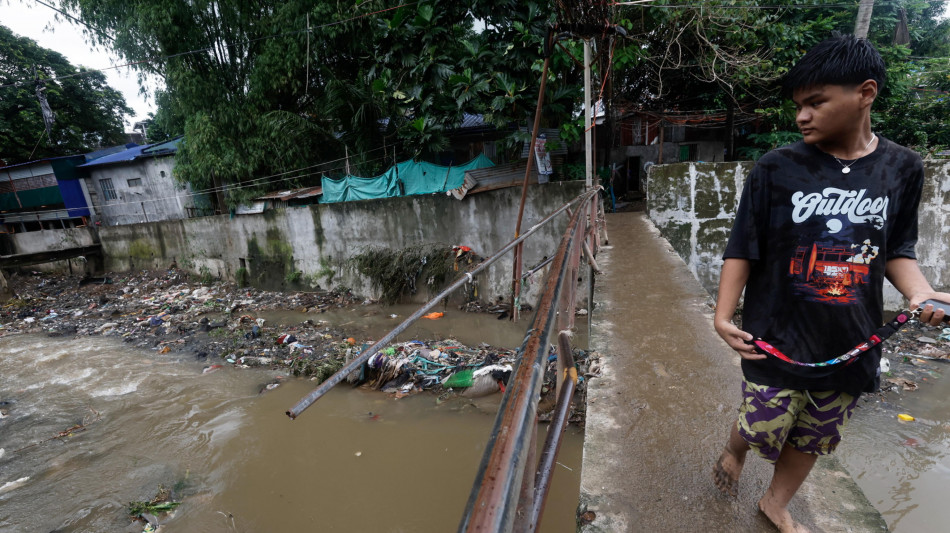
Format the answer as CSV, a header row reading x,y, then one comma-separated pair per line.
x,y
325,387
590,257
493,502
552,443
516,271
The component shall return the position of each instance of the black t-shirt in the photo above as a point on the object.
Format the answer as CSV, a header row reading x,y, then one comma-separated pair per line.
x,y
818,241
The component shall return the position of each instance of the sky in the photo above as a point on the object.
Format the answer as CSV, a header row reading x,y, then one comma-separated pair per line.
x,y
30,19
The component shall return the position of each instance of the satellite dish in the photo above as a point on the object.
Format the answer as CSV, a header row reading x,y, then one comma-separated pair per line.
x,y
647,165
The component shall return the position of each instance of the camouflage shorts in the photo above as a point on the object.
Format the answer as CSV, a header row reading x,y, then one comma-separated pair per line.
x,y
809,421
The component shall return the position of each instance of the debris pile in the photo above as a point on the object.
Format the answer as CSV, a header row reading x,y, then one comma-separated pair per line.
x,y
167,312
916,354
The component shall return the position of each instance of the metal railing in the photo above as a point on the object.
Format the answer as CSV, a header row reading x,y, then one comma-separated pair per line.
x,y
510,488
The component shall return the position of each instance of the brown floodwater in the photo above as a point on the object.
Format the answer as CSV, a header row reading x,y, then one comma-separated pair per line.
x,y
357,460
374,321
904,467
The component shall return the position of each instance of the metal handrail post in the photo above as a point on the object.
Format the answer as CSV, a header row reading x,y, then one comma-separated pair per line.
x,y
567,382
493,502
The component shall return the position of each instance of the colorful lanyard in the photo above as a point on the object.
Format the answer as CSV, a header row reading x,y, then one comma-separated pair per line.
x,y
851,356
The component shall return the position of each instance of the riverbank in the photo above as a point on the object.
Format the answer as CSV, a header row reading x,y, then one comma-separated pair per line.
x,y
222,325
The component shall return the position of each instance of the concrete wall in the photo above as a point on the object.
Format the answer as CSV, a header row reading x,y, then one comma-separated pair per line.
x,y
693,205
157,196
47,240
312,238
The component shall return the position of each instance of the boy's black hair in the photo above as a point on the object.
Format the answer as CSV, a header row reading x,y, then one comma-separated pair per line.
x,y
840,60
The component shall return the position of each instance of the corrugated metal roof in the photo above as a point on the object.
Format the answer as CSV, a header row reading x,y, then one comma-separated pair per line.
x,y
473,121
39,161
91,156
136,152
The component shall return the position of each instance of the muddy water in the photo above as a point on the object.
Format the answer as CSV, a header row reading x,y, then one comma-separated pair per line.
x,y
471,329
239,464
904,467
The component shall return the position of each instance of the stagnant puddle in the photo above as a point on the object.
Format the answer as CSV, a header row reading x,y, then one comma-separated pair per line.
x,y
904,467
355,461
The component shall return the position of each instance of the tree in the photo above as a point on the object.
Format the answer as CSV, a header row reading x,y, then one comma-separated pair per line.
x,y
724,54
89,114
268,88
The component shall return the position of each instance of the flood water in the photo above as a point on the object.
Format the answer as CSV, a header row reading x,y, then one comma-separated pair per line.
x,y
904,467
356,460
472,329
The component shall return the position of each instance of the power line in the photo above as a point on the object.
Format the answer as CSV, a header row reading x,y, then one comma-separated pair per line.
x,y
154,59
256,182
706,5
74,19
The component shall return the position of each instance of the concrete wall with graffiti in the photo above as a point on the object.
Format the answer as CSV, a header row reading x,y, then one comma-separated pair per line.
x,y
693,206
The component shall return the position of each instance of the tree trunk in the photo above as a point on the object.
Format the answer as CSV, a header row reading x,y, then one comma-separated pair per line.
x,y
730,132
863,22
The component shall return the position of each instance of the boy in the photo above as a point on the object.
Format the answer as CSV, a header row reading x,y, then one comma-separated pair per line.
x,y
820,224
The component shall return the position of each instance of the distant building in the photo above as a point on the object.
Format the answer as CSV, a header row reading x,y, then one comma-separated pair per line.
x,y
137,185
47,193
647,138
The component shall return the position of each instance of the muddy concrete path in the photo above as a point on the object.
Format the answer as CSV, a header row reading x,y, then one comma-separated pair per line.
x,y
660,413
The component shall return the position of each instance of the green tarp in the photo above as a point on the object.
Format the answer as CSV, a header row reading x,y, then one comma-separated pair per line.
x,y
404,179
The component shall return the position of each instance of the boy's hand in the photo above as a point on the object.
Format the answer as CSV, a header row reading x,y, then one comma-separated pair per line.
x,y
928,315
736,339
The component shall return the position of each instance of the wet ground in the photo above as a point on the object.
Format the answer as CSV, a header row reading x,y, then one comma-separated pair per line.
x,y
303,333
904,466
92,423
664,404
670,388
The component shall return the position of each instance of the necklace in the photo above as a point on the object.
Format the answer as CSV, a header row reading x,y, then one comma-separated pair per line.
x,y
847,168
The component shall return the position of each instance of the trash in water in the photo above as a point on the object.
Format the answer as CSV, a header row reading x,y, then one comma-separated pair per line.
x,y
434,315
905,417
286,339
904,383
10,485
210,369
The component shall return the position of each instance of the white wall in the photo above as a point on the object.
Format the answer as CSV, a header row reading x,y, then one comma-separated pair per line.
x,y
157,198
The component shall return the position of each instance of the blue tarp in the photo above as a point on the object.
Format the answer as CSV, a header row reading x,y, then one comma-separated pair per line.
x,y
73,198
404,179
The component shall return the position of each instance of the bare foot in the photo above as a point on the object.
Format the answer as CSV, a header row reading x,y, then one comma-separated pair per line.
x,y
780,517
726,472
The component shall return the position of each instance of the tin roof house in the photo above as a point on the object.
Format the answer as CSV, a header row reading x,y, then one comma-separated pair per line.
x,y
137,185
47,193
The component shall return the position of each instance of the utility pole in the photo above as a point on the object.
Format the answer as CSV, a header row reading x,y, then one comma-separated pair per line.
x,y
864,19
589,171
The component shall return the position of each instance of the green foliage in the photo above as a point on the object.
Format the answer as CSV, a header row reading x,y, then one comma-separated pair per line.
x,y
242,276
396,273
265,96
293,276
326,271
206,277
706,57
89,113
161,503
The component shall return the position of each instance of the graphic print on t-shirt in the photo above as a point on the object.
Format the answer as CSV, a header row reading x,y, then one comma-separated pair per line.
x,y
832,273
834,268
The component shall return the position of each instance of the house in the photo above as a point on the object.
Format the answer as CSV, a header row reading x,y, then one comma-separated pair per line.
x,y
136,185
46,194
683,136
471,137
